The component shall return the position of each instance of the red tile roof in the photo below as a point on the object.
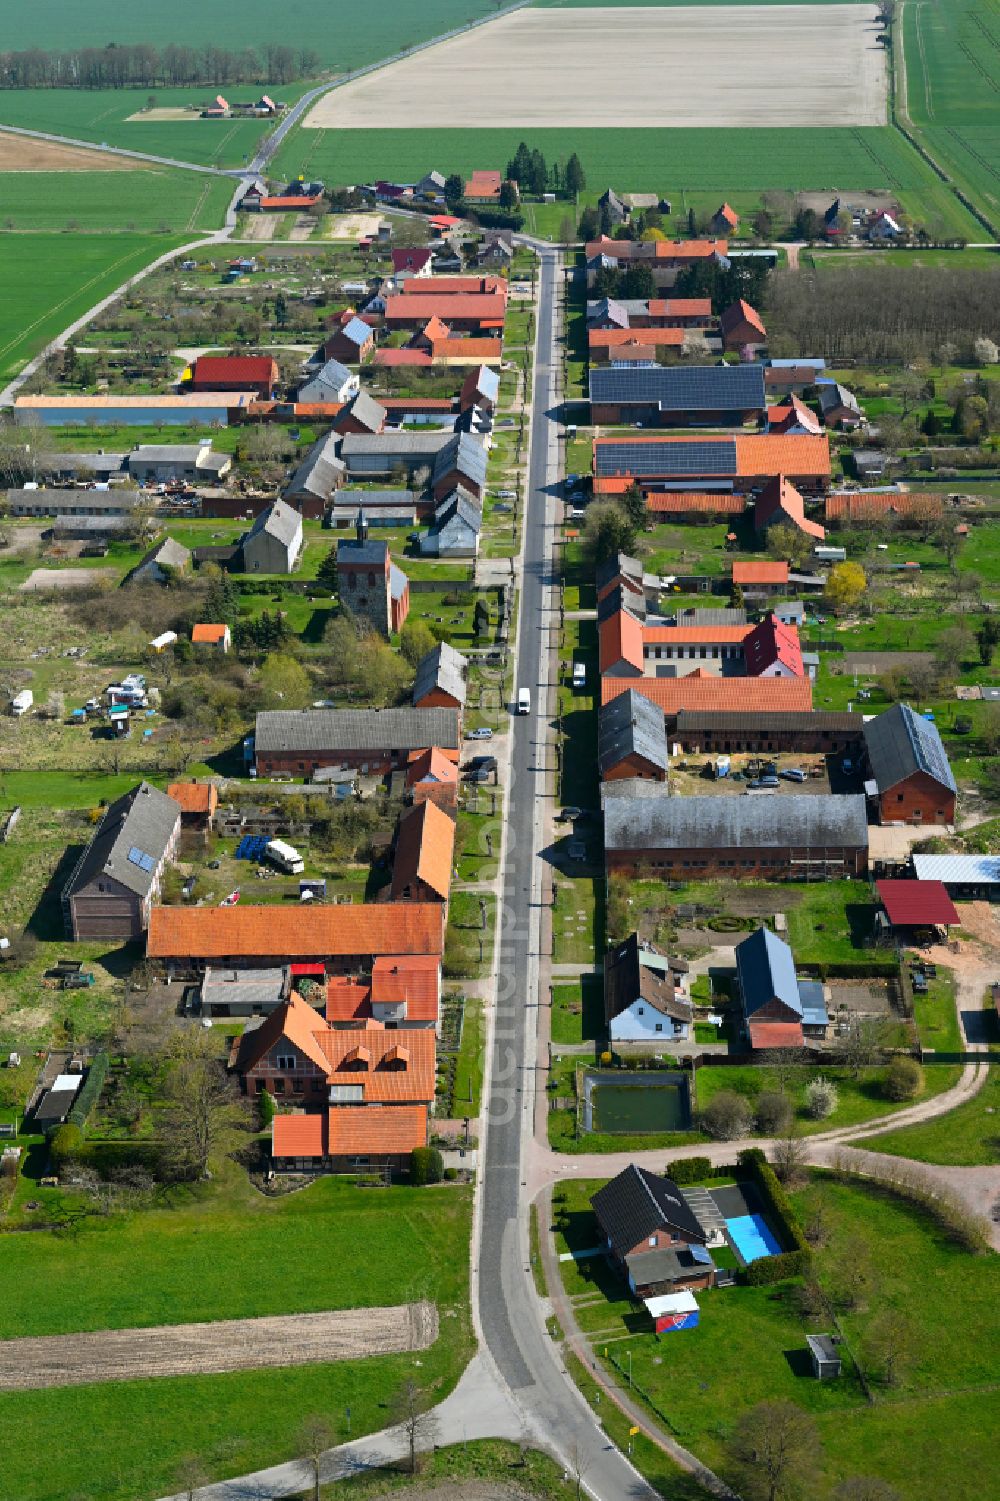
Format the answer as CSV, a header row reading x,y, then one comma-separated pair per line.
x,y
776,1035
298,1135
727,695
917,904
294,1022
484,184
375,1131
195,797
347,999
431,766
414,980
779,495
680,307
612,338
277,932
208,635
483,307
730,215
425,849
695,635
792,411
488,351
867,505
359,1056
678,502
666,250
390,359
770,572
411,258
444,286
620,641
771,643
298,201
758,456
249,369
741,312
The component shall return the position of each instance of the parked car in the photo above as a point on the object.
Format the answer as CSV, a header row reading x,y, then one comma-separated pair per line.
x,y
576,849
794,774
483,733
477,774
483,763
569,815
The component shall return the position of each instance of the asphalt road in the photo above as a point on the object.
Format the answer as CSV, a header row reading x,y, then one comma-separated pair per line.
x,y
508,1308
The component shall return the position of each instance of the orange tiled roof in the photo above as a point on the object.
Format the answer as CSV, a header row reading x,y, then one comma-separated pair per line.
x,y
348,999
298,1136
358,1056
865,505
776,1035
772,571
728,695
294,1022
780,495
432,766
642,336
308,933
680,307
484,307
425,850
666,250
772,642
209,635
695,635
680,501
195,797
730,215
620,641
442,286
375,1131
484,183
489,350
758,455
741,312
413,980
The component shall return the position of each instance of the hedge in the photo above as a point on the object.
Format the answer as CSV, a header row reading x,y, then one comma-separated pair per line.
x,y
790,1263
689,1169
90,1091
426,1166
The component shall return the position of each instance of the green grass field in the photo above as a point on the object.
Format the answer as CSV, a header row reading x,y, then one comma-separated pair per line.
x,y
968,1136
156,199
212,1252
49,280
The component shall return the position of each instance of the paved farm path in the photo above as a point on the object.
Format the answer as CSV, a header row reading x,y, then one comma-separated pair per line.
x,y
209,1349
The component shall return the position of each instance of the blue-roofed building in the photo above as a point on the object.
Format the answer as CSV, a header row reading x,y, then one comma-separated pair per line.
x,y
352,344
461,462
659,396
908,766
779,1009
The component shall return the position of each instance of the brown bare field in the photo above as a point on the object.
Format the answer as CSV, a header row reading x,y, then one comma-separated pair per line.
x,y
211,1349
727,65
23,154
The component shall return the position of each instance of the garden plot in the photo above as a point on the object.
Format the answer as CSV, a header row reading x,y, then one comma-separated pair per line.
x,y
209,1349
743,65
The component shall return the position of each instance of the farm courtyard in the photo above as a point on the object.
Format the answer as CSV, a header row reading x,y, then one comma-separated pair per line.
x,y
742,65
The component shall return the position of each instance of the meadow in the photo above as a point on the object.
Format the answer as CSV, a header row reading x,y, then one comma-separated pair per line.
x,y
50,279
157,199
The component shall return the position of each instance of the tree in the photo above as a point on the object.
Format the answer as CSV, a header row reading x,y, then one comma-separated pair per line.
x,y
607,530
426,1166
204,1107
727,1116
845,587
326,573
589,225
222,599
316,1436
416,639
454,189
904,1079
951,649
508,194
736,600
821,1098
987,639
889,1345
773,1111
786,541
284,682
986,352
634,506
191,1475
574,179
789,1157
410,1412
774,1449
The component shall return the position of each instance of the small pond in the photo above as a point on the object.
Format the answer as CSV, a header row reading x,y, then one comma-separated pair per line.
x,y
633,1104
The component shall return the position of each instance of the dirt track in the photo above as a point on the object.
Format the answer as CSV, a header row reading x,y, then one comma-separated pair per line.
x,y
208,1349
746,65
22,154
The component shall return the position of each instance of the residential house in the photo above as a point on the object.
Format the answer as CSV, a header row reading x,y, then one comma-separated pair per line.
x,y
621,571
665,258
780,504
778,1009
174,463
618,346
632,739
440,681
480,388
717,395
333,382
373,740
908,764
117,878
838,405
869,463
742,327
484,187
738,460
217,636
621,645
433,777
496,250
163,561
424,854
883,228
412,261
457,524
325,939
274,542
318,476
651,1233
234,372
793,838
611,208
197,801
363,414
644,1000
725,220
793,416
772,650
788,377
353,344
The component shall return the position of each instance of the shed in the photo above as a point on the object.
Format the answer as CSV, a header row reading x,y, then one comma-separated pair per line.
x,y
968,876
917,904
825,1356
673,1311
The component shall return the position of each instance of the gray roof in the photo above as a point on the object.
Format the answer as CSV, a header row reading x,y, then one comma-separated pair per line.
x,y
318,473
356,729
766,971
682,388
444,668
332,377
696,616
631,725
833,395
958,870
621,563
636,1203
83,463
460,508
667,1264
487,382
901,742
621,598
366,409
743,721
357,331
376,498
464,453
51,499
170,553
97,524
397,582
129,841
405,445
370,553
280,521
243,987
728,822
167,453
627,978
609,310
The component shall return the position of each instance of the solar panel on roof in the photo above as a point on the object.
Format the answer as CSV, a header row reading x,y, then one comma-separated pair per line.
x,y
139,857
699,388
713,456
699,1253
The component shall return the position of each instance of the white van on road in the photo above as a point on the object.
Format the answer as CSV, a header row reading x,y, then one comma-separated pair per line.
x,y
524,700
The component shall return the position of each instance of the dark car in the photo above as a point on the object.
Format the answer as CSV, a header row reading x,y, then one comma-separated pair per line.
x,y
483,763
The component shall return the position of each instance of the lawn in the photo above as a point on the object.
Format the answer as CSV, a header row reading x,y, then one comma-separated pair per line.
x,y
750,1347
157,199
968,1136
49,280
467,939
467,1098
937,1019
210,1253
577,913
578,1010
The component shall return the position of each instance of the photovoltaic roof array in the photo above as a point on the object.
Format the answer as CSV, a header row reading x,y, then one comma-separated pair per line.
x,y
704,388
713,456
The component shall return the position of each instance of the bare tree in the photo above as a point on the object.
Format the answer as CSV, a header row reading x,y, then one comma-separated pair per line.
x,y
316,1435
862,1045
191,1476
205,1109
774,1449
789,1158
890,1345
418,1423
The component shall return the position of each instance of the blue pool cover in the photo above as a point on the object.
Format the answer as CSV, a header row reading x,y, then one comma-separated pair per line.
x,y
752,1237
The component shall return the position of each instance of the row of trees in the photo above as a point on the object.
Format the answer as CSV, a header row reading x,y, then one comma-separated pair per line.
x,y
746,278
529,169
141,66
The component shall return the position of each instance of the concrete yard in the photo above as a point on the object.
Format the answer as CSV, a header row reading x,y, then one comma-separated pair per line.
x,y
745,65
